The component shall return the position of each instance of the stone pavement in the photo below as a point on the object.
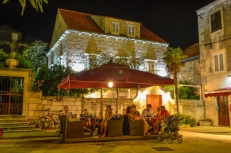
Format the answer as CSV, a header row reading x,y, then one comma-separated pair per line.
x,y
211,131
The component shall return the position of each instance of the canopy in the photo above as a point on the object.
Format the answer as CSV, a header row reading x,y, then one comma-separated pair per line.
x,y
219,92
121,76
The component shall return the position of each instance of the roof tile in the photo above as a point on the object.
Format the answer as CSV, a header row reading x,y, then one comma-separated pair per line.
x,y
83,21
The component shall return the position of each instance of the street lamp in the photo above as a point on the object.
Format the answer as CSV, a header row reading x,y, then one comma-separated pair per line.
x,y
110,84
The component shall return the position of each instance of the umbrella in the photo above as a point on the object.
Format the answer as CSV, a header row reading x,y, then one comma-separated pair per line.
x,y
121,76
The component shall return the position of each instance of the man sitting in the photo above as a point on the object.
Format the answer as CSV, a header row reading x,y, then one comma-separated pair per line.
x,y
66,112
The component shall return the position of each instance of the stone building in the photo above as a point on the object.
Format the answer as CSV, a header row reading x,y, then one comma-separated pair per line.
x,y
214,25
191,70
80,37
14,41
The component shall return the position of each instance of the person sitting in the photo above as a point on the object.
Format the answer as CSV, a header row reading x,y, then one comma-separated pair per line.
x,y
162,114
148,111
66,112
135,115
157,116
69,114
108,116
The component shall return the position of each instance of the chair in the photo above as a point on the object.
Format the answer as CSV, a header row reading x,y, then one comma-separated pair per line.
x,y
133,128
71,129
114,128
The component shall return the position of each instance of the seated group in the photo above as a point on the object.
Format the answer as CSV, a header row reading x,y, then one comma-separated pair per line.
x,y
151,120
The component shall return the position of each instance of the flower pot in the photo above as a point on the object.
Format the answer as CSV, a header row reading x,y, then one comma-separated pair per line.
x,y
12,63
205,123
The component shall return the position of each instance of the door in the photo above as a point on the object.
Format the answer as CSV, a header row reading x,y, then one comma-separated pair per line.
x,y
154,100
11,95
223,110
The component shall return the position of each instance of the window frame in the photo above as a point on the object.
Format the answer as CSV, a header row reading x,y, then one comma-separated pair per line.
x,y
133,33
210,20
116,24
218,62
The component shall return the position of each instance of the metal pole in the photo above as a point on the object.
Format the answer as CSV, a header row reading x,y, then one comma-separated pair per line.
x,y
101,92
117,100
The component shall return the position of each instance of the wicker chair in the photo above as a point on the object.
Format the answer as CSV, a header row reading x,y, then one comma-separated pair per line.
x,y
114,128
73,129
133,128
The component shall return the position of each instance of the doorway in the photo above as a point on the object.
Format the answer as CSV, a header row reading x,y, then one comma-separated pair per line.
x,y
11,95
223,112
154,100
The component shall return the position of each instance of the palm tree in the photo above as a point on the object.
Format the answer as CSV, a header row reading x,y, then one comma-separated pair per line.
x,y
172,59
37,4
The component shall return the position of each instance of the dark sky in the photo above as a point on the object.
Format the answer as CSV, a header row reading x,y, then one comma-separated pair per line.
x,y
173,20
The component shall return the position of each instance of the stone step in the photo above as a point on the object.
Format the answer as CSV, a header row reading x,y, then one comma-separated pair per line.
x,y
13,123
13,117
18,128
22,130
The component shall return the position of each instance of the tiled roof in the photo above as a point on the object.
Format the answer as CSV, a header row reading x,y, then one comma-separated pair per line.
x,y
192,50
83,21
80,21
148,35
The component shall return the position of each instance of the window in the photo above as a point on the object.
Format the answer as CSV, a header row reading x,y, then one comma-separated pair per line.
x,y
219,62
216,23
115,27
131,30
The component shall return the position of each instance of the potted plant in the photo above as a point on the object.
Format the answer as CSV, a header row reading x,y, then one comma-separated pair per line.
x,y
12,62
206,122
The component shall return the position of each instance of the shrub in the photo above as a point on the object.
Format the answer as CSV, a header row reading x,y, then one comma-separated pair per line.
x,y
188,120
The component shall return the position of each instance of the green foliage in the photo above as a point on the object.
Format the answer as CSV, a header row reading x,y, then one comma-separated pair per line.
x,y
23,62
37,4
48,78
184,92
3,57
172,59
187,120
36,54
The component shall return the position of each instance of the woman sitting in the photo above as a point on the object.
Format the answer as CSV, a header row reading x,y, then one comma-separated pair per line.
x,y
135,115
108,116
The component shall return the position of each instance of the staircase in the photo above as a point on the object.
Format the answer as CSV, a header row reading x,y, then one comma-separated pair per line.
x,y
15,123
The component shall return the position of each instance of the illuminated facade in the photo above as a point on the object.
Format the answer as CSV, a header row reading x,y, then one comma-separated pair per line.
x,y
215,59
80,37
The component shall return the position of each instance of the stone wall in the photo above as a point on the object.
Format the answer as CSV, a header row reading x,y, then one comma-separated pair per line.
x,y
37,103
194,108
191,72
93,105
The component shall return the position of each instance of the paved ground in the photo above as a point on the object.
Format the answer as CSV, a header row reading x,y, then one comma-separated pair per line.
x,y
195,140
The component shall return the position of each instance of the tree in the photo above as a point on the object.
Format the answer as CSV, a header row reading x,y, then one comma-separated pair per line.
x,y
37,4
172,59
36,53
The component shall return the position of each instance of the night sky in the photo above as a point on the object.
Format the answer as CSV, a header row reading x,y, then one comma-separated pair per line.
x,y
173,20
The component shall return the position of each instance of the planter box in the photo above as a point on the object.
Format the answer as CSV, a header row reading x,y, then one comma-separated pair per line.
x,y
205,123
185,126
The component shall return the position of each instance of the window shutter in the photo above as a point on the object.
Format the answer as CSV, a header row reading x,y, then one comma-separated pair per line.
x,y
113,27
216,63
129,30
117,28
133,31
221,62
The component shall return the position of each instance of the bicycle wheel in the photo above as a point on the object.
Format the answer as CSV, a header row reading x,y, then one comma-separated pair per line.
x,y
43,123
57,123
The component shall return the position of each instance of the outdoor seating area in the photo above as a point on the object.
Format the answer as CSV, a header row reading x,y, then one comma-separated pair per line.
x,y
72,130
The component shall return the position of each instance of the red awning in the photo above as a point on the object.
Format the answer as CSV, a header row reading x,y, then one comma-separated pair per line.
x,y
121,76
219,92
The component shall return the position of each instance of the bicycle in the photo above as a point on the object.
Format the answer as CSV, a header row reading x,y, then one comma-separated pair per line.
x,y
44,122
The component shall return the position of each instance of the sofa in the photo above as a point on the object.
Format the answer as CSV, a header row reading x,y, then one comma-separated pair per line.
x,y
71,128
133,128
